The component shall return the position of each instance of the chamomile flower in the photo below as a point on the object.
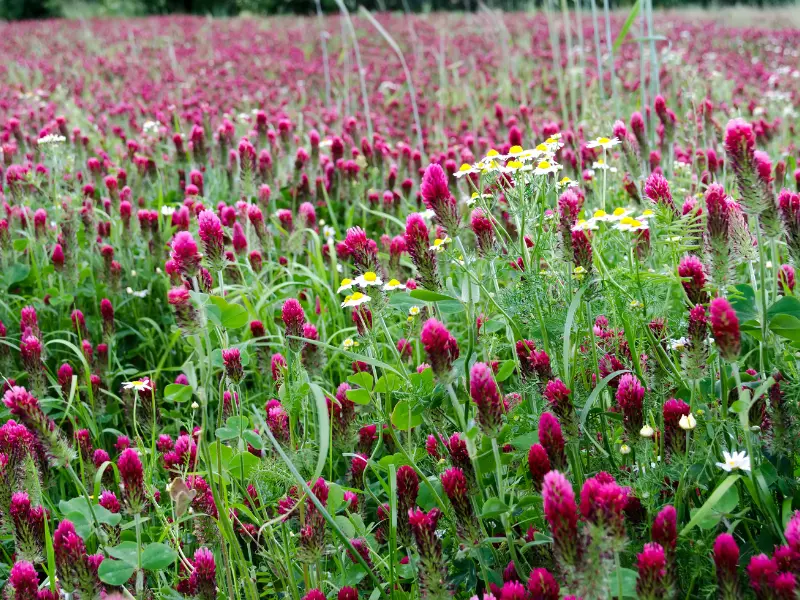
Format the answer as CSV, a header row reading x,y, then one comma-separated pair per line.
x,y
601,216
687,422
512,166
328,232
630,224
620,213
140,385
646,214
546,167
635,304
735,462
603,166
51,138
578,273
467,169
565,182
492,155
647,431
603,142
367,279
393,284
346,284
439,244
355,299
474,198
624,449
679,344
413,311
584,225
349,343
167,211
515,151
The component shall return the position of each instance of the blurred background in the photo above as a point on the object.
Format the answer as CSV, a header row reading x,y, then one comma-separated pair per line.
x,y
37,9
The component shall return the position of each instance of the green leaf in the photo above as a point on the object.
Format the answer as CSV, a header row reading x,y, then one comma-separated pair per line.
x,y
743,301
450,307
345,525
627,577
231,316
505,370
712,501
16,272
595,393
626,26
242,464
428,296
127,552
493,507
176,392
786,326
335,497
788,305
388,383
567,349
406,417
158,556
359,396
20,244
252,438
322,430
115,572
362,379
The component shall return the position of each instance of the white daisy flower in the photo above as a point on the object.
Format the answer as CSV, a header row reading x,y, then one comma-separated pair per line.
x,y
346,284
367,279
393,284
735,462
413,311
647,431
584,225
51,138
139,385
349,343
565,182
546,167
603,142
601,164
167,211
356,299
439,244
679,344
630,224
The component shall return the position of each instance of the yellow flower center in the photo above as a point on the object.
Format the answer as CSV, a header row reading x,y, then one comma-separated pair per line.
x,y
599,213
618,212
627,221
346,281
542,148
465,167
515,150
438,242
647,213
514,164
550,140
370,276
357,296
492,152
544,165
394,283
603,140
635,223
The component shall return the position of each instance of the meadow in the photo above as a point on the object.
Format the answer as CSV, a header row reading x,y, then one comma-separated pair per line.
x,y
378,306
